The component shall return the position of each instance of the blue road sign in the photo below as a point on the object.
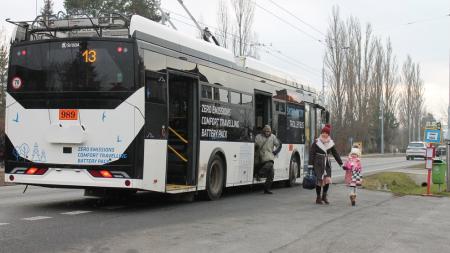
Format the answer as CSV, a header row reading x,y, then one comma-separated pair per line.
x,y
432,136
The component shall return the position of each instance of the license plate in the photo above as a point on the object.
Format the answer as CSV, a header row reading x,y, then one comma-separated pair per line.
x,y
68,114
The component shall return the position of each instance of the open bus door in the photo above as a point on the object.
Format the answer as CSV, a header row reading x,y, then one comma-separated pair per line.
x,y
182,143
263,114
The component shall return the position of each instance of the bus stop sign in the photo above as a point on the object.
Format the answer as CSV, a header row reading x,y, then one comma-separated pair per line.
x,y
432,136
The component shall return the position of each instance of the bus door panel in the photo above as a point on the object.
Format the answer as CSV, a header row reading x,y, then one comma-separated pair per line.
x,y
183,127
263,114
155,131
279,128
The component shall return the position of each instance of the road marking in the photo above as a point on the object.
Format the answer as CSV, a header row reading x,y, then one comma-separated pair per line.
x,y
37,218
76,212
3,224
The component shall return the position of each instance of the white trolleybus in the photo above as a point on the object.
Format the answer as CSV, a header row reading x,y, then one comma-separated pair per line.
x,y
112,103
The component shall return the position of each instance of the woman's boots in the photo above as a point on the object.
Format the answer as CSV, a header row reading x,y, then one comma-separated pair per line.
x,y
325,199
319,200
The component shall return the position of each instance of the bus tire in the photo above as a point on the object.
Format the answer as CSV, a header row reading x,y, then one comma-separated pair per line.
x,y
293,171
215,178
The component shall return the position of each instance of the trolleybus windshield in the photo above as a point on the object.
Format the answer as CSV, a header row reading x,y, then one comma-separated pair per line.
x,y
71,66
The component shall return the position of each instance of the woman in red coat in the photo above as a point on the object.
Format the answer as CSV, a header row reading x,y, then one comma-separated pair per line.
x,y
319,159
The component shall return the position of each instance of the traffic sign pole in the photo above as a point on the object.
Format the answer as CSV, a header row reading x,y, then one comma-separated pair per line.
x,y
430,153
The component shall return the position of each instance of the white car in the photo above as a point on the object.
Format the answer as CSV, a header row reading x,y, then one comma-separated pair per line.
x,y
416,149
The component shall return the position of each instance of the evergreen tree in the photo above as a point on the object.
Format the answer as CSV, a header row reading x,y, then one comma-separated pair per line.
x,y
47,10
145,8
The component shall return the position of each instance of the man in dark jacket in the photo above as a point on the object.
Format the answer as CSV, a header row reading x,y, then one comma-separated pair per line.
x,y
267,147
319,159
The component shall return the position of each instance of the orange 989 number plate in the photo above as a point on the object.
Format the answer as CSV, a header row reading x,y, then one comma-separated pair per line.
x,y
68,114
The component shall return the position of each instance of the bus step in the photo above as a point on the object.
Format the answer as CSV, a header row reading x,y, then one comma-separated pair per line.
x,y
179,188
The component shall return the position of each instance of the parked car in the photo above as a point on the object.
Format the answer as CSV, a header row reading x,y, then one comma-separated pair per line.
x,y
416,149
441,150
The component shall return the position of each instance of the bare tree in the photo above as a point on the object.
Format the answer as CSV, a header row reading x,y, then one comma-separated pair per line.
x,y
334,61
223,23
407,104
3,73
390,95
360,71
418,102
244,12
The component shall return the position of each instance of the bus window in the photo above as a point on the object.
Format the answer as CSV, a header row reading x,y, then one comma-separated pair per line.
x,y
308,140
221,95
88,66
247,100
155,88
279,121
312,113
235,98
206,92
295,124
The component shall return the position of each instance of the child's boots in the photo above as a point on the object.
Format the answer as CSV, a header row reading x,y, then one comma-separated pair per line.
x,y
353,199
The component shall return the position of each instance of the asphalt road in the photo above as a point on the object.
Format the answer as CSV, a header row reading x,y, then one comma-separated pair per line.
x,y
244,220
375,164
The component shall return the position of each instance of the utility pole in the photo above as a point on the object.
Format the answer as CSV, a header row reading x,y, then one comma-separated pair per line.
x,y
382,124
448,127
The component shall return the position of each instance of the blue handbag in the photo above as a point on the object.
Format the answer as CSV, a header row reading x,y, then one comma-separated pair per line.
x,y
309,179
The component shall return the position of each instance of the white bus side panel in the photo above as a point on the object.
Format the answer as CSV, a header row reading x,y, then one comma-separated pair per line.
x,y
155,157
239,160
281,163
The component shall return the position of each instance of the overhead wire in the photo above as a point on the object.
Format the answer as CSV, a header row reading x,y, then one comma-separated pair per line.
x,y
284,61
289,23
426,20
297,62
292,61
296,17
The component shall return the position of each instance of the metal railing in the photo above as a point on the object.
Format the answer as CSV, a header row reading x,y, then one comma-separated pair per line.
x,y
181,138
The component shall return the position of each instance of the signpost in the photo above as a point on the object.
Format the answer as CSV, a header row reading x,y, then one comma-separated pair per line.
x,y
432,135
429,165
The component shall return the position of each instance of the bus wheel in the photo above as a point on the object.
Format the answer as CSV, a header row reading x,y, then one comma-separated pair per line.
x,y
215,178
293,171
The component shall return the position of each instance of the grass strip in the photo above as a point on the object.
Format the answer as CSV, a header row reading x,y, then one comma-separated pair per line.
x,y
400,184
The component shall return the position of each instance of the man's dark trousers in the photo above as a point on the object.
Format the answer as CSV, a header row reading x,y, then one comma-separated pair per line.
x,y
267,171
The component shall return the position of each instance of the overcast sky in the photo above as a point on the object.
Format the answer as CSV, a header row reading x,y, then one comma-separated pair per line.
x,y
427,39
